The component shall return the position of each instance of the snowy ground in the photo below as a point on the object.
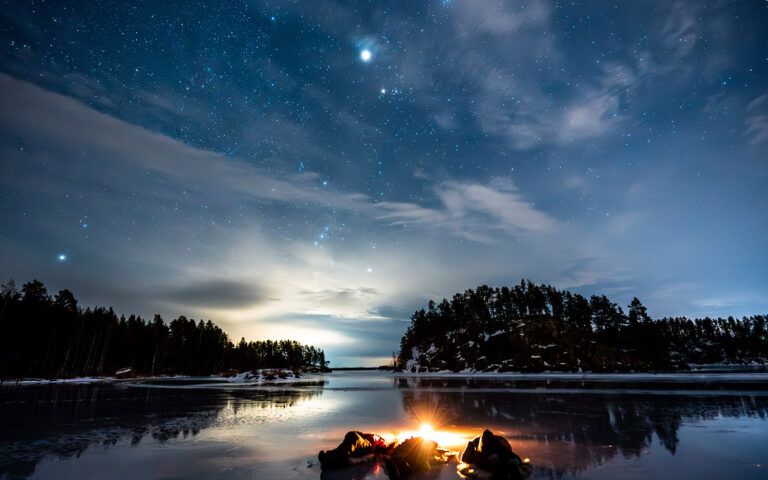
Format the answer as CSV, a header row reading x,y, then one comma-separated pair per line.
x,y
78,380
249,378
656,377
270,377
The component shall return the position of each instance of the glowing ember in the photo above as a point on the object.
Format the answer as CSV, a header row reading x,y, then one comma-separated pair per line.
x,y
444,438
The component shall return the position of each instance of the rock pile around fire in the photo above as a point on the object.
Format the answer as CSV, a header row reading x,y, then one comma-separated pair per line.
x,y
492,453
414,455
487,453
357,447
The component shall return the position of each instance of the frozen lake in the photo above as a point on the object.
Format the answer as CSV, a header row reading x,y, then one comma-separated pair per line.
x,y
708,426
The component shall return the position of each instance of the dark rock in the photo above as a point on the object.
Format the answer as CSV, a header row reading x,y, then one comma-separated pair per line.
x,y
355,448
492,453
414,455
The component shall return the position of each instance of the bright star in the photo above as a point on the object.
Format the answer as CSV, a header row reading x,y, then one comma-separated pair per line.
x,y
62,257
383,91
365,55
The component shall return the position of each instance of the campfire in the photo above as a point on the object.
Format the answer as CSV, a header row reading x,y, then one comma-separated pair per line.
x,y
419,451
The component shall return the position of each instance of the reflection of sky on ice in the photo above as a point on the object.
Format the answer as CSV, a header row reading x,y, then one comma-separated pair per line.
x,y
276,432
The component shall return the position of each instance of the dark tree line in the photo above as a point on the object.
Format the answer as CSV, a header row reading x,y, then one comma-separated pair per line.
x,y
53,337
538,327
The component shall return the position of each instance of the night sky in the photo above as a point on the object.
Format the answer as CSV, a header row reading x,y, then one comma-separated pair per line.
x,y
319,170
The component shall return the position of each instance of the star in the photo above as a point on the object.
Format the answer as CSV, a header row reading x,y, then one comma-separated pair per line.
x,y
62,257
366,55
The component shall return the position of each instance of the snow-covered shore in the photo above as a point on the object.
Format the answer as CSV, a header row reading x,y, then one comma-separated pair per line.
x,y
259,378
590,376
268,377
248,378
76,380
687,376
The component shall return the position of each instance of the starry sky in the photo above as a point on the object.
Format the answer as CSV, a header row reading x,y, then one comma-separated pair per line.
x,y
318,170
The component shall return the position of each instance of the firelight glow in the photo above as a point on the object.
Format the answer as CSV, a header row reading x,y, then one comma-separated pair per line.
x,y
444,438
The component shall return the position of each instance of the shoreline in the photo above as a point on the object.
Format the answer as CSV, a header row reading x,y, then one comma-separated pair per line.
x,y
701,373
595,376
259,377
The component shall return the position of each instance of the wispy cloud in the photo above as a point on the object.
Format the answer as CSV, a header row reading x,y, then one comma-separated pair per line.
x,y
503,203
499,17
757,120
511,104
65,127
473,211
68,128
595,115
